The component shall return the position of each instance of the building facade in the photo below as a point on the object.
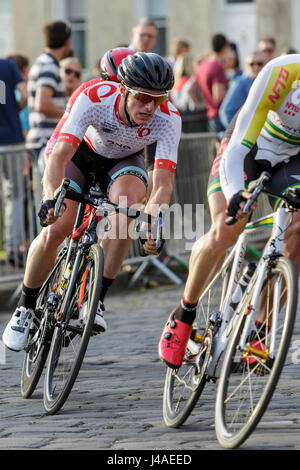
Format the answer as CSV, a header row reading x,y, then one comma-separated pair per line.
x,y
99,25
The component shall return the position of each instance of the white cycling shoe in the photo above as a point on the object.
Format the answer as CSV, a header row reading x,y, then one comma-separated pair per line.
x,y
99,322
17,330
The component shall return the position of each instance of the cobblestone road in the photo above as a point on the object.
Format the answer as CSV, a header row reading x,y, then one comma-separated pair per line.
x,y
116,402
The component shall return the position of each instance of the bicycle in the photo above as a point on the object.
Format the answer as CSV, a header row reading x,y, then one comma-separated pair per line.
x,y
68,300
227,345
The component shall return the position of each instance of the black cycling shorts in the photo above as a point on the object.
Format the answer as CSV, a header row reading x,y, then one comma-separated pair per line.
x,y
87,168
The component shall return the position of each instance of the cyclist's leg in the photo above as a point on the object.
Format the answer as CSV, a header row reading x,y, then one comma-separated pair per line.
x,y
282,178
43,250
125,183
208,254
132,191
40,261
292,241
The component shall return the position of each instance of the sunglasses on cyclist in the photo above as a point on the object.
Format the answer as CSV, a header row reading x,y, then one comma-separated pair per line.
x,y
74,72
259,64
145,97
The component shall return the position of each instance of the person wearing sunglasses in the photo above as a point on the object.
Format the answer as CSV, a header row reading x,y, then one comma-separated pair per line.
x,y
239,90
143,36
70,70
102,141
268,47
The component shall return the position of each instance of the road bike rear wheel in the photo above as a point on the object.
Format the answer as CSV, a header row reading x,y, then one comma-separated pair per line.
x,y
70,340
184,386
248,378
39,339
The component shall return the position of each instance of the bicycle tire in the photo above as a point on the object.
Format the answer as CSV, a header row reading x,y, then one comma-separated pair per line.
x,y
233,422
36,356
55,396
183,386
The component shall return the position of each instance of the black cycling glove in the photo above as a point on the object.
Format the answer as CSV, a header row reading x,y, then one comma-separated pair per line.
x,y
234,204
45,206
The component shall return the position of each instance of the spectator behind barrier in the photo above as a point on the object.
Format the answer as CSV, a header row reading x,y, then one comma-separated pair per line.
x,y
46,90
22,63
12,163
143,36
179,46
212,81
183,71
238,92
232,63
70,72
268,47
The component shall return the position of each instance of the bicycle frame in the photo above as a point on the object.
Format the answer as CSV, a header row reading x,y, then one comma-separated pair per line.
x,y
82,226
274,247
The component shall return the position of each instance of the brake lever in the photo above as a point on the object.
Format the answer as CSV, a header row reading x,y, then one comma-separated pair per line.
x,y
60,194
159,229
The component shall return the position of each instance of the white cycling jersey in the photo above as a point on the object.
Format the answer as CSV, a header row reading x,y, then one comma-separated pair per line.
x,y
270,117
94,117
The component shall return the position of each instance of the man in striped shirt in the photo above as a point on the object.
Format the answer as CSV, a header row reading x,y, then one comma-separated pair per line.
x,y
46,94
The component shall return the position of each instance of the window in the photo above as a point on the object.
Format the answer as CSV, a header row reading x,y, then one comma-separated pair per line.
x,y
157,11
76,16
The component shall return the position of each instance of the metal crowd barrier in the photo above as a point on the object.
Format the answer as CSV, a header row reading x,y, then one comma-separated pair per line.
x,y
21,192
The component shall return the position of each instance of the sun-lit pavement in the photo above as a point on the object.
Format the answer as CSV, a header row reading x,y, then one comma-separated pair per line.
x,y
116,402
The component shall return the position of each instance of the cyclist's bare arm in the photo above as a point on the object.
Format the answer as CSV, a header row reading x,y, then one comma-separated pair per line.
x,y
268,92
55,169
162,189
54,174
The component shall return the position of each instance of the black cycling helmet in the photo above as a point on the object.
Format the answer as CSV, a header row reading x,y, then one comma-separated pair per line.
x,y
111,61
146,70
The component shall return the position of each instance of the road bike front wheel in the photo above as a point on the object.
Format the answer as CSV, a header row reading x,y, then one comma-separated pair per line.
x,y
70,339
248,377
39,339
184,386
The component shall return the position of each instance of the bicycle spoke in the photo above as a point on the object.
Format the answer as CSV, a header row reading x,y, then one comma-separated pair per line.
x,y
250,372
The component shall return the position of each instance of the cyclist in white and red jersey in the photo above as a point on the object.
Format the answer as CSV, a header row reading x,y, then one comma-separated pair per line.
x,y
265,135
103,140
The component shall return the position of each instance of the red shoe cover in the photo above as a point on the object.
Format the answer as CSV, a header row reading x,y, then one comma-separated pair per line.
x,y
173,341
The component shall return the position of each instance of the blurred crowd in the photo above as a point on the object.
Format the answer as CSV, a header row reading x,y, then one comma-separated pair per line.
x,y
213,86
